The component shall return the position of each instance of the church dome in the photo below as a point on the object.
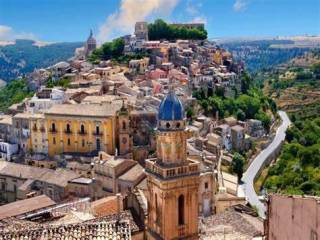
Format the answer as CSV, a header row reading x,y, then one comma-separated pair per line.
x,y
171,108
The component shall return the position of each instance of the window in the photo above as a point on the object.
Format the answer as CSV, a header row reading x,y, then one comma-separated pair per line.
x,y
123,125
54,140
68,128
69,141
181,210
206,185
97,130
82,129
168,125
83,143
53,127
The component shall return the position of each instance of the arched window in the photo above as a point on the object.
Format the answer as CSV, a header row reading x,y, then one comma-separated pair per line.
x,y
97,130
82,129
181,210
53,127
123,125
68,128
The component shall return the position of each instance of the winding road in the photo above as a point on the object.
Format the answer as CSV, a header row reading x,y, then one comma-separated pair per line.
x,y
248,177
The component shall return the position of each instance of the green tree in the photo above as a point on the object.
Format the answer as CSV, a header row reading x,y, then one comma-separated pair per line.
x,y
189,112
108,50
237,165
264,118
160,30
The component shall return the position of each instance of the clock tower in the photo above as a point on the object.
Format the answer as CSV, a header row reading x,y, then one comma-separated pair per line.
x,y
173,179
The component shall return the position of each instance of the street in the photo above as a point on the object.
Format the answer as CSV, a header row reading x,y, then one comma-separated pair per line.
x,y
248,177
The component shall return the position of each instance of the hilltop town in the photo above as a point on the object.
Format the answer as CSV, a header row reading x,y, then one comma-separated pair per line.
x,y
144,137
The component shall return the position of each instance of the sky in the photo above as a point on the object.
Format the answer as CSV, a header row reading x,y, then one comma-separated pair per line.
x,y
71,20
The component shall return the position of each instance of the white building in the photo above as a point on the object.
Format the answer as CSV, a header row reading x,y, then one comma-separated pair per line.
x,y
7,150
35,104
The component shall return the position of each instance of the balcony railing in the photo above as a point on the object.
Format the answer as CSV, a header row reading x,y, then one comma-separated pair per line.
x,y
181,230
53,130
82,132
97,133
192,167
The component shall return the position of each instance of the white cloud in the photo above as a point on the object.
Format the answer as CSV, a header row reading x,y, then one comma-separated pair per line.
x,y
8,34
200,19
240,5
131,11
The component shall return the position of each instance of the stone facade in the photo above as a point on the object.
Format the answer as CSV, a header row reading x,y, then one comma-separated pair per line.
x,y
172,179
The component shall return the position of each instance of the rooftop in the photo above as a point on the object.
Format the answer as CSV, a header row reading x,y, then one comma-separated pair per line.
x,y
85,110
25,206
133,173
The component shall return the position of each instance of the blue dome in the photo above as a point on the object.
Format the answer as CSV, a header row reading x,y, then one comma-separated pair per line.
x,y
171,108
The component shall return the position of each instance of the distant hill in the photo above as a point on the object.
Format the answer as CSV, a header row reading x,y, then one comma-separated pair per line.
x,y
265,54
24,56
295,86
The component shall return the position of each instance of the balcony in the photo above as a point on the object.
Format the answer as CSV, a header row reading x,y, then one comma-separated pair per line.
x,y
165,172
182,230
53,130
68,132
97,134
82,132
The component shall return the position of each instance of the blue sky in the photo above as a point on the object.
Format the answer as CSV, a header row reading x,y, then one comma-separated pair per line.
x,y
71,20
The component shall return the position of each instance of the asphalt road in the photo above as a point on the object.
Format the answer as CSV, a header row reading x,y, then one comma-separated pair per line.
x,y
257,163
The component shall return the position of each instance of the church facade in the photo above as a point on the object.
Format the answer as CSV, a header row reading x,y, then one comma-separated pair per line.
x,y
173,179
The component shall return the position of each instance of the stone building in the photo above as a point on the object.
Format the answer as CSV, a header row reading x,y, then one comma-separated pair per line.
x,y
173,178
141,30
293,217
237,138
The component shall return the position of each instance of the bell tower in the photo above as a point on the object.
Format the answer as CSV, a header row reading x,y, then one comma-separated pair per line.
x,y
123,126
173,179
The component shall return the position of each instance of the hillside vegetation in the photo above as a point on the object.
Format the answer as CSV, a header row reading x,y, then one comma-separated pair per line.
x,y
295,87
250,103
297,170
23,57
13,92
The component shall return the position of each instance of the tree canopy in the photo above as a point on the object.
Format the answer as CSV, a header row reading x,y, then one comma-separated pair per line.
x,y
298,169
253,105
13,92
237,165
108,50
161,30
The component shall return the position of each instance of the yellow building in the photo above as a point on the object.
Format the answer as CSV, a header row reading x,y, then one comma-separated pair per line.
x,y
81,128
38,136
